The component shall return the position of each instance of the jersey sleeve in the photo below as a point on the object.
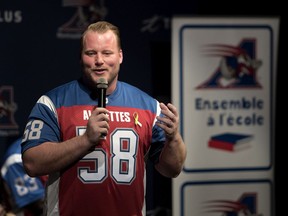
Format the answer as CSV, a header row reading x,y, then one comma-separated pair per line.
x,y
42,124
158,139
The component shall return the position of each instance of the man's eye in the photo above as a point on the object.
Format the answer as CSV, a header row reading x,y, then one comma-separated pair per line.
x,y
90,53
107,53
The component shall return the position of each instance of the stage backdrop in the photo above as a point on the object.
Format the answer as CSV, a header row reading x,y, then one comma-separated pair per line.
x,y
39,50
223,80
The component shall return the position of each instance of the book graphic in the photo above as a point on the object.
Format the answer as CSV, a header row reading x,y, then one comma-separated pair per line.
x,y
230,141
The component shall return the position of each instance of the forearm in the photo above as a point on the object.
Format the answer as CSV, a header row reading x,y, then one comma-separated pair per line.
x,y
172,157
51,157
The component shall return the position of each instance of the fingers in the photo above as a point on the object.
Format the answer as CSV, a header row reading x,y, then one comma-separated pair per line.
x,y
170,110
169,121
101,121
98,124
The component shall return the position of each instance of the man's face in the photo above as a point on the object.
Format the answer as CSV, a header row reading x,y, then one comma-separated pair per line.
x,y
101,57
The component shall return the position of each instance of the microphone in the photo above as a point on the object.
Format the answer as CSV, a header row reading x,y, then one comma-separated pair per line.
x,y
102,85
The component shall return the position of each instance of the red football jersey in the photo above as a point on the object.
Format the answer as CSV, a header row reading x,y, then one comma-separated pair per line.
x,y
111,179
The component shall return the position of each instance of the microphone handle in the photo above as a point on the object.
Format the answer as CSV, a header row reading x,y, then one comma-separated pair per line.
x,y
102,102
102,97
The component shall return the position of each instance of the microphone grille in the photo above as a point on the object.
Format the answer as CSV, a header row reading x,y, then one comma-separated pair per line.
x,y
102,83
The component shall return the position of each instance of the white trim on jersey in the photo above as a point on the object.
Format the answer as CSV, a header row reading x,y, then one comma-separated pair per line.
x,y
12,159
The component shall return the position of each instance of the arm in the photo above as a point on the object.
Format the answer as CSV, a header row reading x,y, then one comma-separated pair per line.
x,y
52,157
173,154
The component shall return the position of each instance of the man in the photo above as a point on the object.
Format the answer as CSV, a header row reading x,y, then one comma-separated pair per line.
x,y
22,195
95,156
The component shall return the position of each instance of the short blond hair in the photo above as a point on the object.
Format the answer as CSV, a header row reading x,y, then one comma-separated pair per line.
x,y
102,27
